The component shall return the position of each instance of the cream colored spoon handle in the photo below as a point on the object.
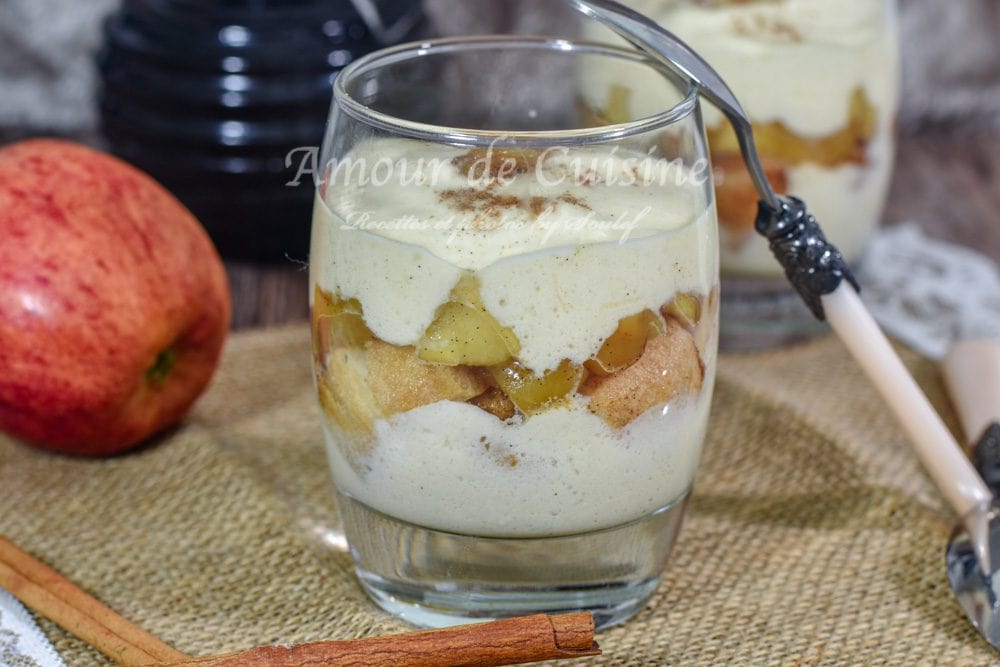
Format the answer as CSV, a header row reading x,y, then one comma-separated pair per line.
x,y
937,448
971,371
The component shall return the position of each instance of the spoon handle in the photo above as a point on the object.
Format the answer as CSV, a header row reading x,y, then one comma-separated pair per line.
x,y
971,370
937,448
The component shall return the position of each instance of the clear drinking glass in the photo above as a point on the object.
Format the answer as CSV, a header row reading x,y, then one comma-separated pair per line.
x,y
515,326
819,80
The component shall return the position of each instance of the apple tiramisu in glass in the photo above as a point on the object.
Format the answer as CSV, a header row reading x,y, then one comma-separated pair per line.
x,y
515,322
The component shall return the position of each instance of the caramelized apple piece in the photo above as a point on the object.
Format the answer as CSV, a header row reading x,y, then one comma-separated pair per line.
x,y
669,367
323,303
462,335
495,402
466,291
619,104
708,327
736,198
323,306
346,329
531,393
849,145
626,344
337,323
464,332
686,309
401,381
588,115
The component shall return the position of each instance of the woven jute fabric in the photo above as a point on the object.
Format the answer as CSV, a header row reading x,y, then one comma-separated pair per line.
x,y
813,536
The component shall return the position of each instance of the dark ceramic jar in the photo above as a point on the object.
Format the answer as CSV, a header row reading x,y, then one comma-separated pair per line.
x,y
212,97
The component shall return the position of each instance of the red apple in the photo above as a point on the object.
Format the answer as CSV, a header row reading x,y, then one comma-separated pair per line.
x,y
114,304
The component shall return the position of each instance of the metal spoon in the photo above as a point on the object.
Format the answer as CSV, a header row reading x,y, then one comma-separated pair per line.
x,y
978,594
819,273
971,370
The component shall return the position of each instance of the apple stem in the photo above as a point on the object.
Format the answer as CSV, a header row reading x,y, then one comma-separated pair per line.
x,y
158,372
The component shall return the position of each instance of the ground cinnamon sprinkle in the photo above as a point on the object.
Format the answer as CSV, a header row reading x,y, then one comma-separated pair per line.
x,y
487,204
478,200
537,205
760,25
497,162
493,165
573,200
500,458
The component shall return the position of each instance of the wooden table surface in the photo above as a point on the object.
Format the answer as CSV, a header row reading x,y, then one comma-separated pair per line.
x,y
947,182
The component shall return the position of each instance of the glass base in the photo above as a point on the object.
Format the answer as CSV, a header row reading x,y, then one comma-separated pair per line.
x,y
436,579
763,313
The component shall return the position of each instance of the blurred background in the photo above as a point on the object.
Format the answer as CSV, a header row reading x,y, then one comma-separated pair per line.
x,y
210,96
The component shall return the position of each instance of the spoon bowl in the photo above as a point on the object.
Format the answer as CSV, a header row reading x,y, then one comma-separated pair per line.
x,y
977,593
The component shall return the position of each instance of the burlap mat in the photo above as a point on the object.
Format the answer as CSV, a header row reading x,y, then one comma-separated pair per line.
x,y
813,537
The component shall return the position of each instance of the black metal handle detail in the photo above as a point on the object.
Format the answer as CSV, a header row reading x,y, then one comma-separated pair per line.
x,y
986,457
813,265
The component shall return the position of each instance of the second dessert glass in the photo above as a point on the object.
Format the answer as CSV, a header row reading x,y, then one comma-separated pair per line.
x,y
819,80
515,326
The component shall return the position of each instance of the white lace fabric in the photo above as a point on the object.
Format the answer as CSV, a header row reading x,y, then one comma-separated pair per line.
x,y
928,293
22,643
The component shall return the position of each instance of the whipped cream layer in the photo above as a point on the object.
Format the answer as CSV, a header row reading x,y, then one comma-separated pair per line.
x,y
560,472
567,252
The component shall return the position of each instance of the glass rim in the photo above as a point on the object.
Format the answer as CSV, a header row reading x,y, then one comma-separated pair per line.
x,y
507,138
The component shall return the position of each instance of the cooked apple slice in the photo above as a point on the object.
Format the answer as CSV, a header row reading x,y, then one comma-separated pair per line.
x,y
626,344
464,332
322,306
709,324
495,402
619,104
685,308
337,323
669,367
531,393
399,380
346,329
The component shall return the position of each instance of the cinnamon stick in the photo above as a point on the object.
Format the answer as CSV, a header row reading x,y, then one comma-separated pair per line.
x,y
51,595
512,641
508,642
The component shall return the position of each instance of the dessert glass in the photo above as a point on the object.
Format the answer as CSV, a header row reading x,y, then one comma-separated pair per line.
x,y
514,326
819,80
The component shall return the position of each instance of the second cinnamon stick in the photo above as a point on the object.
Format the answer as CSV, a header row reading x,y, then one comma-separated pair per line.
x,y
512,641
54,596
